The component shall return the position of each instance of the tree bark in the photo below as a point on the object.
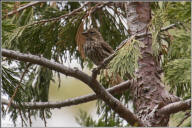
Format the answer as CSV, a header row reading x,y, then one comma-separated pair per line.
x,y
148,91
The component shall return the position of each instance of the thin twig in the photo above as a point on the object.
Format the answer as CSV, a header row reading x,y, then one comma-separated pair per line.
x,y
22,8
62,16
162,30
93,9
23,121
21,117
29,116
16,89
96,70
45,122
186,116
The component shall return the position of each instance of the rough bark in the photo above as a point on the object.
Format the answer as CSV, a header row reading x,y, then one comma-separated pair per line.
x,y
149,91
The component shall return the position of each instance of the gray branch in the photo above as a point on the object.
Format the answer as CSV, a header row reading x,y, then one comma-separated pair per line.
x,y
69,102
176,107
162,30
100,91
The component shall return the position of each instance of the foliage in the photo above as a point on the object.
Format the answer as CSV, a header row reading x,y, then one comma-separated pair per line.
x,y
178,62
173,47
28,32
126,59
85,120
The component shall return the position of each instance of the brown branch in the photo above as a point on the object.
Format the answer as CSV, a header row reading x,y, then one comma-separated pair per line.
x,y
22,8
100,91
98,6
176,107
16,89
62,16
71,13
96,70
69,102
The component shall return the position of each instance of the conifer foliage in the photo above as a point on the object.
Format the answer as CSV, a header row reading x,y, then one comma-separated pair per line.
x,y
52,30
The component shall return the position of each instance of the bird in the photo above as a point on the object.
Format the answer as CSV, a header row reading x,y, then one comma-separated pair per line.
x,y
95,48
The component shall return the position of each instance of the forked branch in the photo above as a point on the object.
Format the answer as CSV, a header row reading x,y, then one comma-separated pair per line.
x,y
100,91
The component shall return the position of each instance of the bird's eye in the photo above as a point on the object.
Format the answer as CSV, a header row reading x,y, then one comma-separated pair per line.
x,y
92,32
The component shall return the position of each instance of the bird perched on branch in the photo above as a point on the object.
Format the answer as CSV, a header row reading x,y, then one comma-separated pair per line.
x,y
95,48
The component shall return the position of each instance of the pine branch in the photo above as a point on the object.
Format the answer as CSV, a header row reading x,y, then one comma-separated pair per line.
x,y
117,89
176,107
62,16
162,30
96,70
100,91
71,13
22,8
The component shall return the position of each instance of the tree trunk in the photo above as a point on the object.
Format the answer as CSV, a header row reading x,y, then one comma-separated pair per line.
x,y
148,91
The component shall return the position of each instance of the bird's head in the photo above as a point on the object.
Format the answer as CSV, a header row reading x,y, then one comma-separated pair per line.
x,y
92,34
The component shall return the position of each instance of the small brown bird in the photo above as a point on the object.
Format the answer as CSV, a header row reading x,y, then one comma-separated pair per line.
x,y
95,48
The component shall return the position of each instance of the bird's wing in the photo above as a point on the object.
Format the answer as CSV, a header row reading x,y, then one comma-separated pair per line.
x,y
107,47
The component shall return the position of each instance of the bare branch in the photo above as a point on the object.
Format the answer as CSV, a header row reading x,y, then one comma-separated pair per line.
x,y
62,16
162,30
100,91
176,107
71,13
69,102
22,8
169,27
